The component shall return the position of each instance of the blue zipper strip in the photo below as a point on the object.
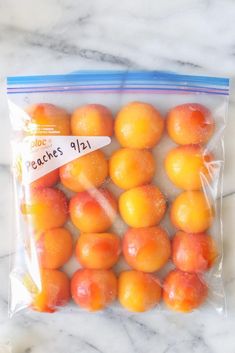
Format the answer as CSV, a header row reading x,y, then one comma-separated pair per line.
x,y
108,76
117,80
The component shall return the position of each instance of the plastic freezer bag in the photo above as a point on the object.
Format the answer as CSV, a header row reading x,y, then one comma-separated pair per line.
x,y
118,181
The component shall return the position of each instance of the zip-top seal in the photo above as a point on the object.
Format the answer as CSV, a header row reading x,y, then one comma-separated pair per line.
x,y
119,81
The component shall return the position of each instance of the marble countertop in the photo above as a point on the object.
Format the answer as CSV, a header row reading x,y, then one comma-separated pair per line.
x,y
189,36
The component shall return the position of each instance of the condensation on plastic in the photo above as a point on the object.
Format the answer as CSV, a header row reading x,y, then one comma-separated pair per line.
x,y
115,89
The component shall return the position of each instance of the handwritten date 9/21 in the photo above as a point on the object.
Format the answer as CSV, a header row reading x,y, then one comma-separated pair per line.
x,y
80,146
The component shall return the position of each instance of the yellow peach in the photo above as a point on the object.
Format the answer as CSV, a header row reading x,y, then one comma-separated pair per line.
x,y
192,212
188,167
138,125
130,167
143,206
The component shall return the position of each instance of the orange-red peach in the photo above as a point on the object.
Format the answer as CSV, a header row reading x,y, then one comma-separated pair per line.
x,y
92,120
47,119
93,211
46,180
54,290
45,209
85,172
54,247
183,291
131,167
138,291
190,123
98,250
188,167
192,212
94,289
193,252
143,206
138,125
146,249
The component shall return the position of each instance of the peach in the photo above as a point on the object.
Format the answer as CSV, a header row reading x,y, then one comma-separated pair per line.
x,y
188,167
54,290
85,172
47,119
146,249
192,212
143,206
98,250
131,167
183,291
92,120
94,211
94,289
46,180
139,125
54,247
190,123
193,252
138,291
45,209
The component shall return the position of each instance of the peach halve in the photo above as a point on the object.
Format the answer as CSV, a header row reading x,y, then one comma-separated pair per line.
x,y
190,123
146,249
188,167
138,291
143,206
98,250
193,252
139,125
86,172
192,212
92,120
131,167
93,289
93,211
183,291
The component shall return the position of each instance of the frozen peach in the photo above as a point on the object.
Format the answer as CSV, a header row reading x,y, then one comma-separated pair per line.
x,y
45,209
139,125
94,289
183,291
86,172
93,211
98,250
47,119
190,123
46,180
53,291
92,120
146,249
188,167
143,206
192,212
54,248
193,252
131,167
138,291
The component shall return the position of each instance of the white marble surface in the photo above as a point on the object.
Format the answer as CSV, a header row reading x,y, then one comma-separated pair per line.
x,y
191,36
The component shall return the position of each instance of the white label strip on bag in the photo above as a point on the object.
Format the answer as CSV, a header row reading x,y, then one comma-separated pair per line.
x,y
43,154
